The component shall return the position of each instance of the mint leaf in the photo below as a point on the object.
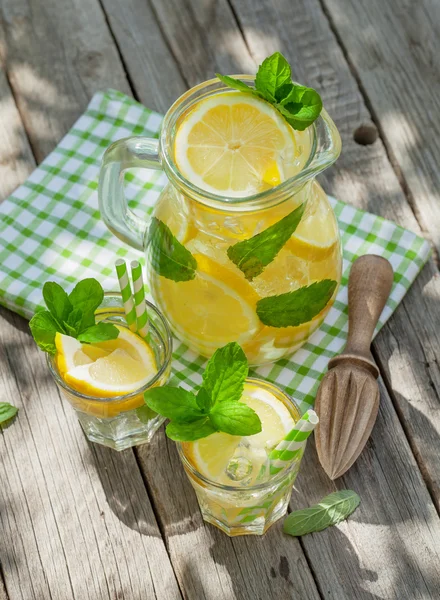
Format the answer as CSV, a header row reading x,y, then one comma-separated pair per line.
x,y
169,257
69,330
235,418
86,296
73,323
297,307
44,327
273,73
216,406
235,83
252,255
7,412
301,107
225,373
57,301
101,332
189,432
204,400
145,414
331,510
173,403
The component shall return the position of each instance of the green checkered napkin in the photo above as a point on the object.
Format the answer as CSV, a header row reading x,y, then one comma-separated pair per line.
x,y
51,230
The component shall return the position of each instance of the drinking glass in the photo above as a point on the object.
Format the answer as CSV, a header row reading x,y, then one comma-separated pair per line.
x,y
122,421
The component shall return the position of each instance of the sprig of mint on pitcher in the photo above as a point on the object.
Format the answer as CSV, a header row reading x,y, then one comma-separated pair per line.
x,y
215,407
298,104
71,314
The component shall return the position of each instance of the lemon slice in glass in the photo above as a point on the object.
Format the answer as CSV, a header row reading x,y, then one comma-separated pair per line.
x,y
236,145
107,369
316,236
216,307
212,455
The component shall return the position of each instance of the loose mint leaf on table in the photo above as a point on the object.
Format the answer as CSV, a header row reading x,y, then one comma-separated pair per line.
x,y
298,104
57,301
332,509
86,296
216,406
173,403
7,412
44,327
190,432
235,418
101,332
273,73
297,307
225,373
169,257
252,255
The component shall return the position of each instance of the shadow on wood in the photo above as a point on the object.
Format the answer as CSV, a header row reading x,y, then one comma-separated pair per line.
x,y
124,488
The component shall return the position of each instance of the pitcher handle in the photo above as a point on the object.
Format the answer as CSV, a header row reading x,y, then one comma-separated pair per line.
x,y
122,155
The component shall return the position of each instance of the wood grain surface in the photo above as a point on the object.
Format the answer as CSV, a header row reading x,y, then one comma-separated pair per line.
x,y
79,521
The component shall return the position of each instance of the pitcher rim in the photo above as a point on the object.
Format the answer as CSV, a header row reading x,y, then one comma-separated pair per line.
x,y
264,199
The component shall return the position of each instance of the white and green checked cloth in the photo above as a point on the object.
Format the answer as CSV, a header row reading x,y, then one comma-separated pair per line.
x,y
51,230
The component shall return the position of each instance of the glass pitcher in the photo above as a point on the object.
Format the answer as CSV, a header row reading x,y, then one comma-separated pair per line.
x,y
222,268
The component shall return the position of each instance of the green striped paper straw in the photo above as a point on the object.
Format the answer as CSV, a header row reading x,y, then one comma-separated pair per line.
x,y
127,298
292,446
139,298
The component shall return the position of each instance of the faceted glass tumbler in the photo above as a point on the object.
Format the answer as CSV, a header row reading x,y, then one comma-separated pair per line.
x,y
122,421
240,510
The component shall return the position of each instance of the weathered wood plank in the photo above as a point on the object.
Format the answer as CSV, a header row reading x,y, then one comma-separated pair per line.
x,y
147,57
16,163
3,595
396,526
394,49
71,525
16,159
76,522
58,53
208,564
363,176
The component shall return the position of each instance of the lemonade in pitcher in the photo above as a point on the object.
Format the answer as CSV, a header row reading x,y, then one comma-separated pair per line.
x,y
243,244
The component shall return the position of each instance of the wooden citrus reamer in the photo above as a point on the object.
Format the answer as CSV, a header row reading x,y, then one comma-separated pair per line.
x,y
348,397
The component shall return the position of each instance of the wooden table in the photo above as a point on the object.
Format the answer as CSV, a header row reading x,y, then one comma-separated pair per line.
x,y
80,521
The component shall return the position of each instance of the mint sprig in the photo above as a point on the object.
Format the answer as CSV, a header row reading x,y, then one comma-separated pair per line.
x,y
72,314
298,104
215,407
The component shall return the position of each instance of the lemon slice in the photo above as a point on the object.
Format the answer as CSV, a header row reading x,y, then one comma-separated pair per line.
x,y
216,307
113,368
71,353
317,234
236,145
211,455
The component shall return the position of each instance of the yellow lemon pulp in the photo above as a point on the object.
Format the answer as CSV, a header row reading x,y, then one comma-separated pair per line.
x,y
107,369
317,234
217,306
235,144
211,455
